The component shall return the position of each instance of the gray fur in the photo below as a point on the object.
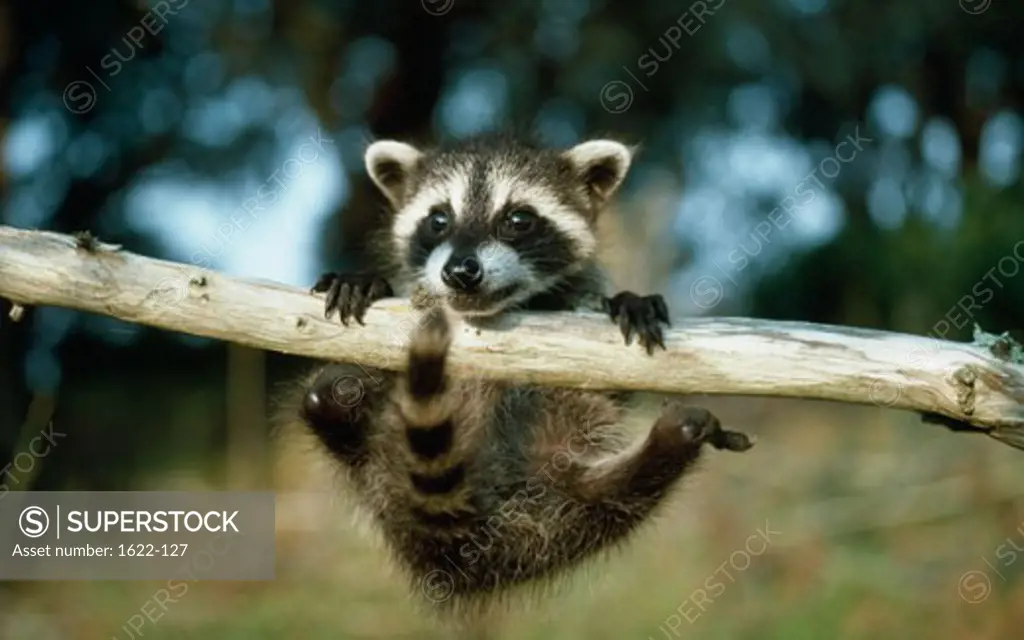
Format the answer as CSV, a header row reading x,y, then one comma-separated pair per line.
x,y
481,487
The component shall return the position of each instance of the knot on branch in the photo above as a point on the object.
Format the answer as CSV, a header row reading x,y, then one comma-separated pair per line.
x,y
1002,346
89,243
963,381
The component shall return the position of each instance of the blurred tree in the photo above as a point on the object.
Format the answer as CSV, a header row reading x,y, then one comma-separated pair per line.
x,y
152,123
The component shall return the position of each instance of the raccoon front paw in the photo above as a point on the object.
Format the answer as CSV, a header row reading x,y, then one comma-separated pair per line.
x,y
642,315
698,426
351,294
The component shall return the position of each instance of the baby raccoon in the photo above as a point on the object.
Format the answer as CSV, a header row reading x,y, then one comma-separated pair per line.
x,y
481,486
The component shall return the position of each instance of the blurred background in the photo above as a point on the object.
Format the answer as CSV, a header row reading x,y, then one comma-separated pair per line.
x,y
837,161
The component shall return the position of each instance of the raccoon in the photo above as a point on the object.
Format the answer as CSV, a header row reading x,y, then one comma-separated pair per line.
x,y
480,487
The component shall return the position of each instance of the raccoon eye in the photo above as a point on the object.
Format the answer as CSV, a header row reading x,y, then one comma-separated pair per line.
x,y
519,222
438,221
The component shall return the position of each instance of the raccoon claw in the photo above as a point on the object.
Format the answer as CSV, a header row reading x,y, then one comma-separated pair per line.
x,y
700,426
351,294
642,315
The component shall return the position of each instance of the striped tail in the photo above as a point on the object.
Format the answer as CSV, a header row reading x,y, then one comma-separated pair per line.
x,y
428,401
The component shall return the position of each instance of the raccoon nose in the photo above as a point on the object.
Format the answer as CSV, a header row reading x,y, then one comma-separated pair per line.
x,y
463,273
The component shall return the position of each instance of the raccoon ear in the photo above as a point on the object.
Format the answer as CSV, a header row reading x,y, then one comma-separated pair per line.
x,y
601,165
390,164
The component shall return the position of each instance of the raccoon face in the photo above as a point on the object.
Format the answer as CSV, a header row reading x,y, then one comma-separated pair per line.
x,y
485,226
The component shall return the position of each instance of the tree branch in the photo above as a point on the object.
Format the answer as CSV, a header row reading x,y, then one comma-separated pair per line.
x,y
978,387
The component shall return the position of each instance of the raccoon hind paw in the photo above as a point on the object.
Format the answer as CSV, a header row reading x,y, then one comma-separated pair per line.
x,y
336,406
697,426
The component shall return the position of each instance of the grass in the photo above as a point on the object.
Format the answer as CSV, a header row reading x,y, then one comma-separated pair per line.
x,y
878,518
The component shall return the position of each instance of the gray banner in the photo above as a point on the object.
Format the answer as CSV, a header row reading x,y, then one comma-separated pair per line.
x,y
136,535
